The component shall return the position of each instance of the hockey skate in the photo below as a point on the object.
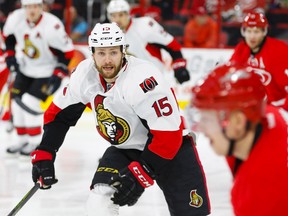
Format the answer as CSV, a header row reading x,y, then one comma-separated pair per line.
x,y
16,148
26,150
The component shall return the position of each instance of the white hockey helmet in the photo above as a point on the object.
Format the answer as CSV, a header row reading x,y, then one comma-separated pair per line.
x,y
115,6
106,35
29,2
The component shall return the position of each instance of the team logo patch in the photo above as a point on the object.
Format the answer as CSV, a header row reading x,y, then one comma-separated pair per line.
x,y
148,84
30,50
196,199
57,26
114,129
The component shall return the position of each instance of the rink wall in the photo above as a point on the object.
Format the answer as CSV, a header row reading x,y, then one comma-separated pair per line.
x,y
199,63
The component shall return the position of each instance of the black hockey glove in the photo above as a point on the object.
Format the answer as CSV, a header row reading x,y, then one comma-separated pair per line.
x,y
12,64
180,71
43,168
55,80
130,183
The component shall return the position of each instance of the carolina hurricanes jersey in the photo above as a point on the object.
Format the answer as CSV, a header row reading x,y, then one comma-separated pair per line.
x,y
146,38
34,43
139,108
261,182
271,64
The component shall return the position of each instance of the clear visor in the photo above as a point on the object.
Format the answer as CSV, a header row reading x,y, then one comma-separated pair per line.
x,y
202,120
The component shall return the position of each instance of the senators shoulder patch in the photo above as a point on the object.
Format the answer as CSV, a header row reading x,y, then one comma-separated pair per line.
x,y
148,84
57,26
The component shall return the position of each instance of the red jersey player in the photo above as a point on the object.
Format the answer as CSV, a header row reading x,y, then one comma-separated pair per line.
x,y
234,116
266,55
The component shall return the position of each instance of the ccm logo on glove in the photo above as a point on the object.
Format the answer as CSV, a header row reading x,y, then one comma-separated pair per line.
x,y
143,178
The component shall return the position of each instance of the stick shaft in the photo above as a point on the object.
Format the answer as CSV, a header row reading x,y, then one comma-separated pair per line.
x,y
23,201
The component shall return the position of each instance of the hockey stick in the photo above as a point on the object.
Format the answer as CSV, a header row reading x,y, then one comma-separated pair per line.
x,y
25,107
23,201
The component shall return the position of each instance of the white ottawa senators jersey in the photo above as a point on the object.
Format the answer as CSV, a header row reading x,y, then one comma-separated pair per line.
x,y
140,101
142,35
34,42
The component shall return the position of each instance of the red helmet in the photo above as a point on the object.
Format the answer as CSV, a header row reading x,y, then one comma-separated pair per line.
x,y
231,87
255,19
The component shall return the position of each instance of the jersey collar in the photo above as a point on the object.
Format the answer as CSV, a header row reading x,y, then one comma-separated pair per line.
x,y
31,24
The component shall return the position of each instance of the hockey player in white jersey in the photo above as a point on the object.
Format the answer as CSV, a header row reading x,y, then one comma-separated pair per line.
x,y
146,38
38,50
136,111
4,88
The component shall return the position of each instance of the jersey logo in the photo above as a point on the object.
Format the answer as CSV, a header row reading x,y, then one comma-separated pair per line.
x,y
30,49
264,75
148,84
196,199
112,128
259,68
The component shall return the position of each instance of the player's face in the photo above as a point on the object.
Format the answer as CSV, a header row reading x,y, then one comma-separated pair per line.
x,y
210,125
33,12
254,37
121,18
108,61
221,127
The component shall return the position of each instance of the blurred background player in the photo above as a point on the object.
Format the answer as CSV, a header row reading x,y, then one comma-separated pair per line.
x,y
43,52
146,38
268,56
235,118
79,26
137,113
6,81
200,30
4,73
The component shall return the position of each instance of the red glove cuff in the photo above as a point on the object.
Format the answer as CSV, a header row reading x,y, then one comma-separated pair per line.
x,y
60,73
143,178
39,155
9,53
179,63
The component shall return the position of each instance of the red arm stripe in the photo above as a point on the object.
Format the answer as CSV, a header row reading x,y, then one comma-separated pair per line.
x,y
154,51
50,113
174,45
69,55
166,143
